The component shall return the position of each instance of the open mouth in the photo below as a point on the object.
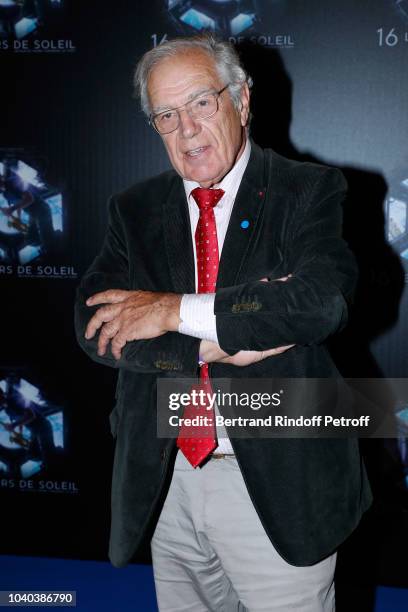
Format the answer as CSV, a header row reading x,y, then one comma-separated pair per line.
x,y
196,152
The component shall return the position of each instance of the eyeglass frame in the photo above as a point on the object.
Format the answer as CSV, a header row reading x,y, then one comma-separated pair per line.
x,y
214,93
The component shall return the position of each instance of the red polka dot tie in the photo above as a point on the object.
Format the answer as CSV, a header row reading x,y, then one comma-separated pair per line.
x,y
199,440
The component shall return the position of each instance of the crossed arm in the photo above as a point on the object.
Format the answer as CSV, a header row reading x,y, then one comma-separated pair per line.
x,y
125,316
124,328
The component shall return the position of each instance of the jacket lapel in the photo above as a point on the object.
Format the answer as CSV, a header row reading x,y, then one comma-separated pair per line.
x,y
177,237
244,217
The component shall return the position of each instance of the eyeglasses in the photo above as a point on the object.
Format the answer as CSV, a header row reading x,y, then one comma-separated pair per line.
x,y
202,107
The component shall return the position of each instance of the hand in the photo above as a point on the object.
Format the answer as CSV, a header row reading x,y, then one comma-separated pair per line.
x,y
131,315
211,352
245,358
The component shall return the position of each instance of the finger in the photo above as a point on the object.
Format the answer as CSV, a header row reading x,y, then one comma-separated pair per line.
x,y
108,331
117,345
111,296
102,315
277,350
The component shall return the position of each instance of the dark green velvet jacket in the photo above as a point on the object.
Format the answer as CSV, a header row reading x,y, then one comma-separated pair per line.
x,y
309,493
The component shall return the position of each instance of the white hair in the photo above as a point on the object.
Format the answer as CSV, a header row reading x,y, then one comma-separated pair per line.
x,y
225,57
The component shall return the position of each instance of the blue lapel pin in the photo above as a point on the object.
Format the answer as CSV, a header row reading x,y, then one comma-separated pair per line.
x,y
245,224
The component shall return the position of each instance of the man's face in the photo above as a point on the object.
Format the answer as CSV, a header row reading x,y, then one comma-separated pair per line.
x,y
200,150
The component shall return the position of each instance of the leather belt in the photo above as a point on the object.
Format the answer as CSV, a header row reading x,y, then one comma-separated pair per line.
x,y
221,455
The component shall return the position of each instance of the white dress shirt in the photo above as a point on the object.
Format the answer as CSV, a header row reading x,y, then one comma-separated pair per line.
x,y
197,309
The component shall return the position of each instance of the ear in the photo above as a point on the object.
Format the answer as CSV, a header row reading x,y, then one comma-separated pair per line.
x,y
244,106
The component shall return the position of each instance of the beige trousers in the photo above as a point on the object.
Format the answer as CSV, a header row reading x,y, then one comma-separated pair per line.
x,y
211,553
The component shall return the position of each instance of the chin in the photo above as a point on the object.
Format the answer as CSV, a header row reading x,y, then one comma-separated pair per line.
x,y
205,177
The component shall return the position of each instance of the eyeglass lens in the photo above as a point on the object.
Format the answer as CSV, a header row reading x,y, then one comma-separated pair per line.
x,y
200,108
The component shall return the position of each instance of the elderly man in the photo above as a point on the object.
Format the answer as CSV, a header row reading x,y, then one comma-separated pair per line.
x,y
187,283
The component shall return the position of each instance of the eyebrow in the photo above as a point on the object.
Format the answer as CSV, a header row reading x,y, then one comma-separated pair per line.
x,y
196,94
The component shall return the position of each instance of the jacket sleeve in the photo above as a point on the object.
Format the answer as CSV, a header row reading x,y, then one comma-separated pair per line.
x,y
311,305
171,352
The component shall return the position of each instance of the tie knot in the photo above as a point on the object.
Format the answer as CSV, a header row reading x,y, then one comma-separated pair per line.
x,y
207,198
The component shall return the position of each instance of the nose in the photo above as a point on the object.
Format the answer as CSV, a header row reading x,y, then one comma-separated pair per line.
x,y
188,126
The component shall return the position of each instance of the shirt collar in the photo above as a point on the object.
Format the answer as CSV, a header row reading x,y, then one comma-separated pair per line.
x,y
231,181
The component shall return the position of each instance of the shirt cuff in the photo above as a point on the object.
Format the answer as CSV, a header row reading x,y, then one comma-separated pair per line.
x,y
197,316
